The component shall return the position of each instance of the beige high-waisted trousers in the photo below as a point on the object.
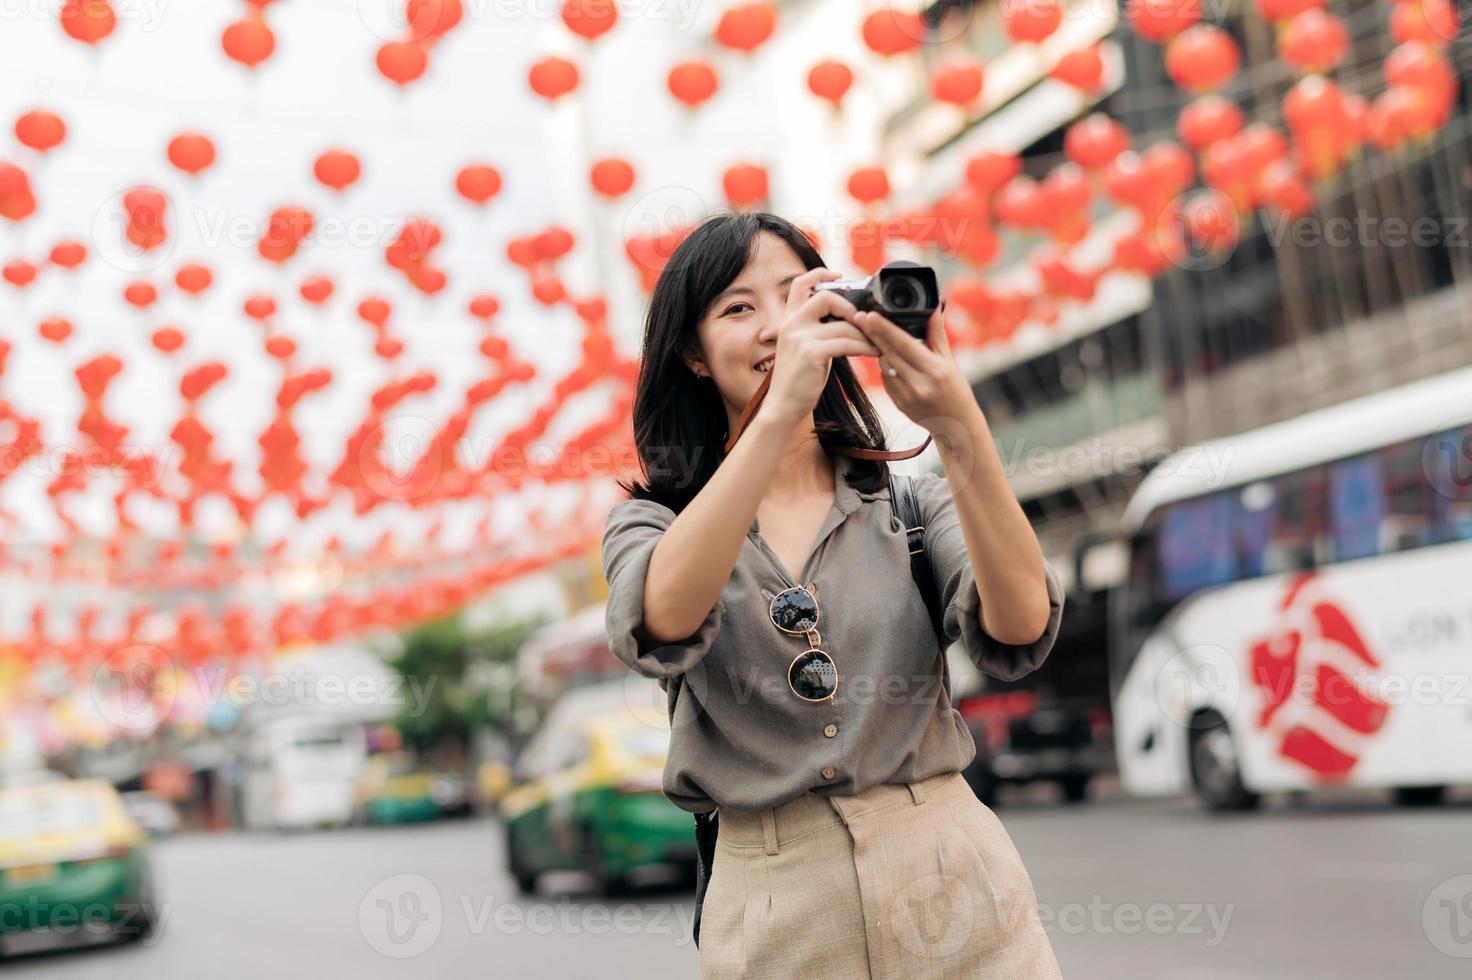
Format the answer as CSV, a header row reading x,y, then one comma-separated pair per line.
x,y
913,881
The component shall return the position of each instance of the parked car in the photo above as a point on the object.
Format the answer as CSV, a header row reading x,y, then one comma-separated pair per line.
x,y
398,788
152,812
1020,740
72,864
586,794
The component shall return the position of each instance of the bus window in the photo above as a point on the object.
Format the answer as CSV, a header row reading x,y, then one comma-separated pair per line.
x,y
1408,517
1196,545
1257,512
1447,460
1357,506
1293,542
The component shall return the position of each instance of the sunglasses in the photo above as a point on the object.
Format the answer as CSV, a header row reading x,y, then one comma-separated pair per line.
x,y
812,676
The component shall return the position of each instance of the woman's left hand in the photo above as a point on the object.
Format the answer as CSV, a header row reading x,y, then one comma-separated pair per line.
x,y
927,385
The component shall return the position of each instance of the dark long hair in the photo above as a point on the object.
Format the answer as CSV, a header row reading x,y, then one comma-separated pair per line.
x,y
680,427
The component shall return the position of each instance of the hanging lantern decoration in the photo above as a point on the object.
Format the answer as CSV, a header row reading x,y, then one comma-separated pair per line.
x,y
1082,69
552,243
553,77
830,80
1434,22
484,306
140,295
1313,41
1035,20
259,307
146,209
1019,203
402,62
1314,112
868,185
1283,189
612,177
193,278
745,185
1202,58
337,170
316,290
249,41
285,231
17,202
430,20
1276,11
988,170
1094,141
1211,221
1207,119
40,130
746,27
68,254
693,82
590,19
167,340
957,82
193,153
888,32
88,21
19,273
375,312
55,329
478,183
1160,20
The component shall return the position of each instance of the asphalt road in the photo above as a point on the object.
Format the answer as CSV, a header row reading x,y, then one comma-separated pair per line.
x,y
1346,889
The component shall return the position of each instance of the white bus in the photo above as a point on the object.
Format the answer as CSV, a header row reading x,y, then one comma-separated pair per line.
x,y
1297,607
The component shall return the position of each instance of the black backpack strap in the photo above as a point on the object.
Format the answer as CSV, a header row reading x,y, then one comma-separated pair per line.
x,y
906,507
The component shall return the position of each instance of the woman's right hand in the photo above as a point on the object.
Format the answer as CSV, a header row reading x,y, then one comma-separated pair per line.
x,y
806,346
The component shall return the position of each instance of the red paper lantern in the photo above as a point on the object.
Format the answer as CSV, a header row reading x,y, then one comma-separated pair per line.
x,y
746,27
375,311
1019,203
478,183
146,209
1094,141
1434,22
548,290
193,279
988,170
280,347
140,295
590,19
167,339
337,169
552,78
19,273
522,252
402,62
745,185
1211,221
1202,58
890,32
316,290
40,130
55,329
611,177
248,41
260,307
388,348
1314,41
88,21
192,153
957,82
553,243
830,80
429,20
1031,20
484,306
1277,10
1282,188
68,254
1083,69
693,82
1161,20
868,184
429,280
1207,119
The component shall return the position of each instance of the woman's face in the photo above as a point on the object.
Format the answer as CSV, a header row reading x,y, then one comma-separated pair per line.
x,y
740,327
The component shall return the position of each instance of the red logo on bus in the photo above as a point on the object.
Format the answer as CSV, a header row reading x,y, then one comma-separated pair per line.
x,y
1307,670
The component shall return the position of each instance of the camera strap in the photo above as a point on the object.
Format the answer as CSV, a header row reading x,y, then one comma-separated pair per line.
x,y
853,451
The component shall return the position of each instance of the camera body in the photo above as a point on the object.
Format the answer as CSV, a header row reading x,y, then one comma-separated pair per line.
x,y
905,293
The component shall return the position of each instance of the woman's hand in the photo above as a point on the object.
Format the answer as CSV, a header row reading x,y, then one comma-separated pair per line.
x,y
928,385
806,346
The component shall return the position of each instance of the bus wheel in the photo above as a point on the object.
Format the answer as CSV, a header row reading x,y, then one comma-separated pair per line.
x,y
1419,795
1216,771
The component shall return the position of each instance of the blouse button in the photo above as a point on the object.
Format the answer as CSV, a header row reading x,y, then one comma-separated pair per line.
x,y
830,730
827,772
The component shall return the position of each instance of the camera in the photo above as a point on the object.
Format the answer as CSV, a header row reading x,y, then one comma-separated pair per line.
x,y
903,292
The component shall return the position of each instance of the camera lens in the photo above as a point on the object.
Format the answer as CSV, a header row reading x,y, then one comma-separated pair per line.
x,y
901,296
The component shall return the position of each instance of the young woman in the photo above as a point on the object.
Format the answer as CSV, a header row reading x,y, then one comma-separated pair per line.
x,y
768,588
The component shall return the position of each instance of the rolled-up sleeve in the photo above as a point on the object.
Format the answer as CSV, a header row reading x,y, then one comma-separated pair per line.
x,y
632,530
945,546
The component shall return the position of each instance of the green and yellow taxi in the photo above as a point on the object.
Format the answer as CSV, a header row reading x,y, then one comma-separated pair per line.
x,y
72,864
586,796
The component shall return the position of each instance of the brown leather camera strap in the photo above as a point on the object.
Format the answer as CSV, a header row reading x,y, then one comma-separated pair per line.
x,y
854,452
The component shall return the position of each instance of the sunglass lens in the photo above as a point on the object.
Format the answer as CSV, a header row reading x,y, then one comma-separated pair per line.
x,y
795,611
813,676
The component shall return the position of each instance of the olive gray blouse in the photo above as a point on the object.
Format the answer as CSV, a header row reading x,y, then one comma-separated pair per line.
x,y
740,737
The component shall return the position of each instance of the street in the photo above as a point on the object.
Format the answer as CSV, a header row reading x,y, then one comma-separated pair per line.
x,y
1334,889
